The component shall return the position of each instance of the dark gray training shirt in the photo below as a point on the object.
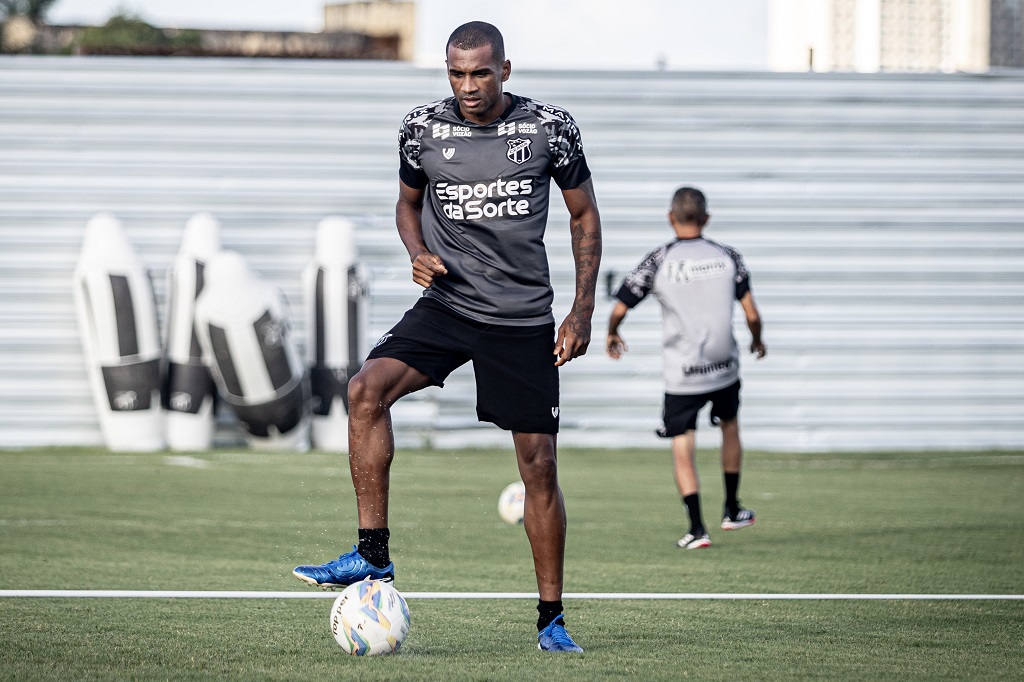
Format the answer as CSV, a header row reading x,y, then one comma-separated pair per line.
x,y
486,204
696,281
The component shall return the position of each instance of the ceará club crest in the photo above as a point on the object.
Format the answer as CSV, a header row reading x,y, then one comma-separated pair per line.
x,y
519,150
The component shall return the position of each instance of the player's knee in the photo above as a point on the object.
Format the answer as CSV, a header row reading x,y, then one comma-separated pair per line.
x,y
364,393
541,470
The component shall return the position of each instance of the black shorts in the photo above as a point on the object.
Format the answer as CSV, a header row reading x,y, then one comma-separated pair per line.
x,y
516,377
680,414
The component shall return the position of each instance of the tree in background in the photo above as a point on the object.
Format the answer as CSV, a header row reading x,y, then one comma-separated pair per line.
x,y
129,34
32,10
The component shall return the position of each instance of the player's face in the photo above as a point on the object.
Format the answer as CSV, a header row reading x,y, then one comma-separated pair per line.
x,y
476,79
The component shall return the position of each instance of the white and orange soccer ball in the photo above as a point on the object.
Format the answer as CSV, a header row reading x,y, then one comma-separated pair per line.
x,y
512,503
370,618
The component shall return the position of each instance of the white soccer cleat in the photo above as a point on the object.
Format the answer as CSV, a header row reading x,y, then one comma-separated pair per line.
x,y
691,541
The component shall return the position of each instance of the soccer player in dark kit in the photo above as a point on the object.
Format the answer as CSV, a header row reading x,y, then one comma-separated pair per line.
x,y
475,172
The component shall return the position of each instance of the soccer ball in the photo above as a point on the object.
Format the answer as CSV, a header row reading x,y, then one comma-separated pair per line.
x,y
511,503
370,618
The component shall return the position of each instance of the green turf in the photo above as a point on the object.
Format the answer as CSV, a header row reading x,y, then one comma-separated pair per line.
x,y
907,523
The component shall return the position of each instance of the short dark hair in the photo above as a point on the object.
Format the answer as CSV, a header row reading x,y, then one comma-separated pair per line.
x,y
476,34
689,206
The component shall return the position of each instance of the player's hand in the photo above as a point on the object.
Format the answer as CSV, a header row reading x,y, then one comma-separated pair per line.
x,y
573,338
615,346
758,348
425,267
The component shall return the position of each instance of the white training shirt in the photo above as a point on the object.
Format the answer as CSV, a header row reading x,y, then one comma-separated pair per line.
x,y
696,281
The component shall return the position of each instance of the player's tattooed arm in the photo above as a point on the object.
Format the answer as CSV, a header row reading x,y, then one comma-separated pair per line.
x,y
408,218
585,227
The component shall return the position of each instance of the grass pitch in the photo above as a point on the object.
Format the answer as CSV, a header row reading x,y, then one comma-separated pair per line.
x,y
948,523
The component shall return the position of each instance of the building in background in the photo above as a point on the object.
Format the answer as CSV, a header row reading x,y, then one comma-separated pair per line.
x,y
382,19
895,35
1006,47
21,36
128,34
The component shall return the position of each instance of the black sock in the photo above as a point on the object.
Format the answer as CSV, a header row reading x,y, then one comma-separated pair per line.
x,y
692,502
732,485
373,545
549,611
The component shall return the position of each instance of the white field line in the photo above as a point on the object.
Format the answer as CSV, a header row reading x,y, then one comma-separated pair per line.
x,y
331,461
212,594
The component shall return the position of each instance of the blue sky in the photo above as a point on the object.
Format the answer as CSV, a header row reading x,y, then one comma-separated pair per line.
x,y
681,34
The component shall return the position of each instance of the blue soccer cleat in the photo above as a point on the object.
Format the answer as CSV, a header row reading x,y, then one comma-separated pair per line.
x,y
343,571
555,638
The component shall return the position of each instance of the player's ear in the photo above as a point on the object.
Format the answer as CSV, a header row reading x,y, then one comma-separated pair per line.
x,y
506,70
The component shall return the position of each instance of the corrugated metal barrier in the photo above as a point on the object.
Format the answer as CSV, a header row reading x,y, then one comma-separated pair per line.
x,y
882,217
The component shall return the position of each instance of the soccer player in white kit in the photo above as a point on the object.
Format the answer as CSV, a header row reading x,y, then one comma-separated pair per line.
x,y
696,281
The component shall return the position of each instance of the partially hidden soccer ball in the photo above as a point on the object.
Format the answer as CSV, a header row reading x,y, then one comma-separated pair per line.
x,y
511,503
370,618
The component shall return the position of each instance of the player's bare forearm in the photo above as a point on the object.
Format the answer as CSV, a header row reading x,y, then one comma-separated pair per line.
x,y
754,325
585,231
756,344
586,243
408,219
615,345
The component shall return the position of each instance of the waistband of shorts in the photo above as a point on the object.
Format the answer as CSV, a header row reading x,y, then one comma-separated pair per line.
x,y
434,305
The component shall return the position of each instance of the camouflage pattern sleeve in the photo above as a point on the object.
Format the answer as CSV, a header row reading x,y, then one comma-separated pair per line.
x,y
409,137
640,281
568,162
742,274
